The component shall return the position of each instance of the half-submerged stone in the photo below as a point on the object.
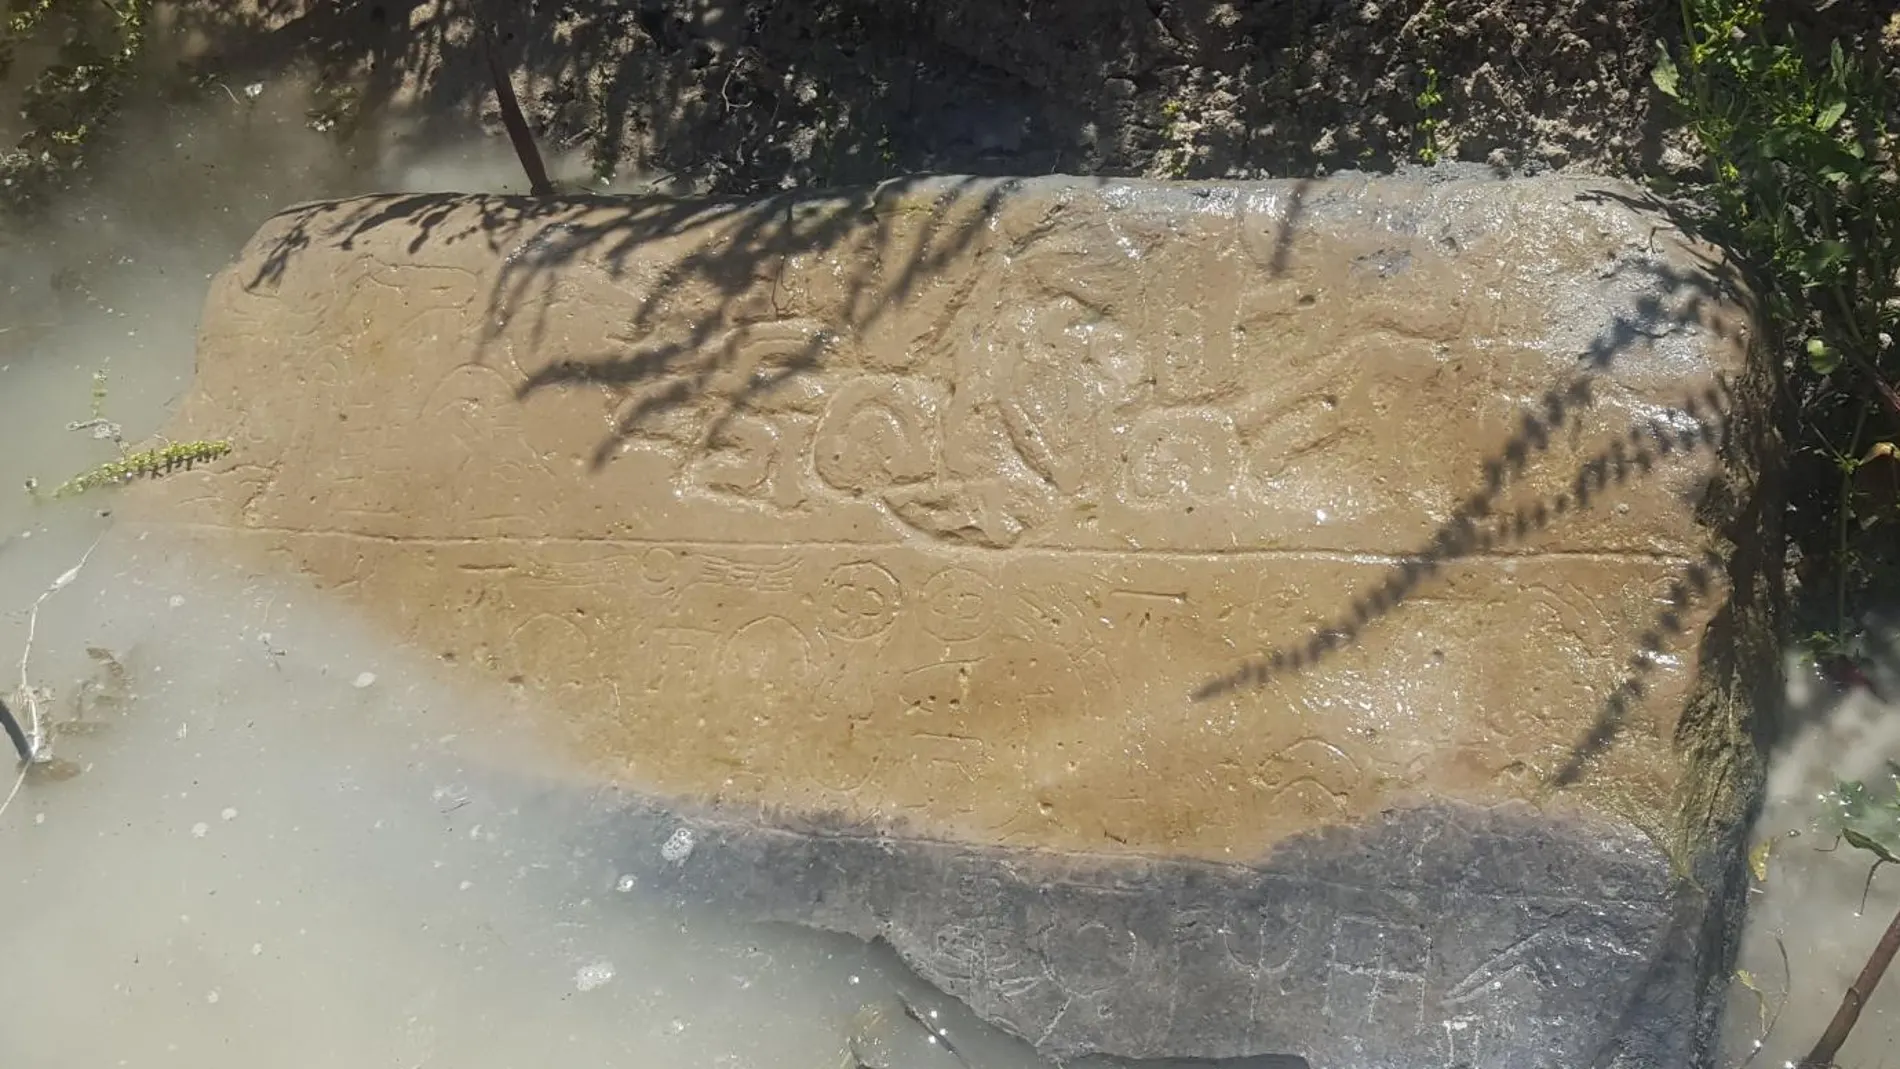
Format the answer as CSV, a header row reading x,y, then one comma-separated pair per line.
x,y
1314,619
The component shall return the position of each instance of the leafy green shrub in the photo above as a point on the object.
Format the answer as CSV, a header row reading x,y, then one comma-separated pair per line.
x,y
94,46
1800,151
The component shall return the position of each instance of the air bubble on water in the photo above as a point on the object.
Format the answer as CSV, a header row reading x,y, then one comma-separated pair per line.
x,y
364,679
199,830
212,997
228,813
625,883
678,845
589,977
175,600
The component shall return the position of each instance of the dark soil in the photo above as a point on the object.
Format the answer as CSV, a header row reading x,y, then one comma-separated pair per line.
x,y
745,95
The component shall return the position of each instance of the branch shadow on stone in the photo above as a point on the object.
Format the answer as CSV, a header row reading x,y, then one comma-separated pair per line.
x,y
1699,423
759,238
1475,527
741,248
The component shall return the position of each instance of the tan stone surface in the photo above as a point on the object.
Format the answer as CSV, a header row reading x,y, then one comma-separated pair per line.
x,y
1012,514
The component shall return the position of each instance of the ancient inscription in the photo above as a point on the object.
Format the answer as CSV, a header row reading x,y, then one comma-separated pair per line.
x,y
878,434
863,599
958,605
1375,969
962,542
1153,544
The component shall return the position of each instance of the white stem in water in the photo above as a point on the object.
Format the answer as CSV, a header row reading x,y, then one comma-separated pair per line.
x,y
29,697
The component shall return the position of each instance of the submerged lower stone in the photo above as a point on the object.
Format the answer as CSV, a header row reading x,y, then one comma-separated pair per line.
x,y
1296,618
1434,936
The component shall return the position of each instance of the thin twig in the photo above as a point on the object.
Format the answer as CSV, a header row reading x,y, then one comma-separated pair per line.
x,y
12,728
36,739
1822,1056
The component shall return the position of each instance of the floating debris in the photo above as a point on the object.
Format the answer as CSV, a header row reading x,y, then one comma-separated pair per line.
x,y
678,845
589,977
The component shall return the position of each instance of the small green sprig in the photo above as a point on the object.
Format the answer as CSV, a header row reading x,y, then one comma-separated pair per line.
x,y
150,463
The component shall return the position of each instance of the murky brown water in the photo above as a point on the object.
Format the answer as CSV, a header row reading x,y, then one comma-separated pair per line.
x,y
287,844
1808,932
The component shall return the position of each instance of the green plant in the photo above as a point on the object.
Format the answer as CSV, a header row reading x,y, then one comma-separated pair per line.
x,y
95,45
1429,26
1429,101
149,463
1177,157
1801,183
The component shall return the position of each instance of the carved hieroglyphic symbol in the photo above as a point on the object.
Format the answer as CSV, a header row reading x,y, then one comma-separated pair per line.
x,y
1376,970
679,662
773,578
879,433
1063,367
659,573
754,361
1266,946
1183,454
861,600
769,660
1526,991
957,604
740,458
1307,404
544,647
473,408
1192,326
1089,960
1314,777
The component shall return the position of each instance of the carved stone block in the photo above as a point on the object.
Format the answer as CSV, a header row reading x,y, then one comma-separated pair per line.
x,y
1282,618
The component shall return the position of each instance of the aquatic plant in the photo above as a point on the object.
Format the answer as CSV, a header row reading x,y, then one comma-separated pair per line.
x,y
149,463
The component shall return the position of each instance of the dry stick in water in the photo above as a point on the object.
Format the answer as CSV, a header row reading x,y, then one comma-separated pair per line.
x,y
1857,995
12,728
512,118
28,694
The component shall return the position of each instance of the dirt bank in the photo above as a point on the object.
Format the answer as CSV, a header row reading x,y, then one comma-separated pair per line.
x,y
745,96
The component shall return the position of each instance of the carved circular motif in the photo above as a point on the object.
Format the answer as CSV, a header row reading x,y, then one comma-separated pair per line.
x,y
861,600
957,604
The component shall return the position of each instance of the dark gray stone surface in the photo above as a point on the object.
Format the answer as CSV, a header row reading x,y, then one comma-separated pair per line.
x,y
1448,937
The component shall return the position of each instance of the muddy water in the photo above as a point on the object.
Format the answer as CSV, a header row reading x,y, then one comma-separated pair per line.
x,y
287,844
1815,918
